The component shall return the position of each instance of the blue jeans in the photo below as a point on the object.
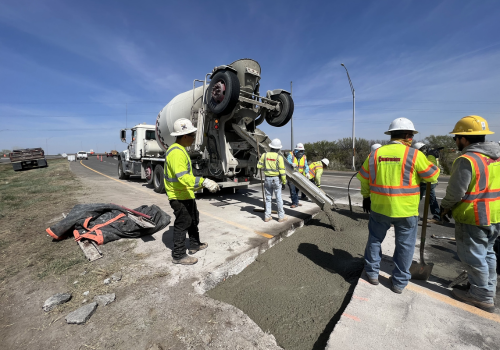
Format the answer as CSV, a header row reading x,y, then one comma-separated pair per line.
x,y
475,249
406,236
294,191
273,185
433,203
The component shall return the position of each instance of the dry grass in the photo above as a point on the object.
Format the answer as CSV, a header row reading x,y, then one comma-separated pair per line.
x,y
28,201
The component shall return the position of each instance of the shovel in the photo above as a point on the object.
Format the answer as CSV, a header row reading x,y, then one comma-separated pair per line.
x,y
421,270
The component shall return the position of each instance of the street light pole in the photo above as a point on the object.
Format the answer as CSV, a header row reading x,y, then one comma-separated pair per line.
x,y
353,119
291,120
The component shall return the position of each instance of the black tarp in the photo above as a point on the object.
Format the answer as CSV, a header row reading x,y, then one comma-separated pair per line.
x,y
103,223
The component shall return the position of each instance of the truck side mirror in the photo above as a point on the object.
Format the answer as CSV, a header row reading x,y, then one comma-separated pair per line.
x,y
123,135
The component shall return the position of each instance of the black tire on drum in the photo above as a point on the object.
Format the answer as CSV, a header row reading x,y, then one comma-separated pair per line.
x,y
121,174
231,94
286,113
158,183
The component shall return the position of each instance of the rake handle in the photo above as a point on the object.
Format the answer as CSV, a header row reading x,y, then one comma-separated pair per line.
x,y
424,221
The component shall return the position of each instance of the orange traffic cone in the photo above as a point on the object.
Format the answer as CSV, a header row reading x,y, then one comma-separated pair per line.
x,y
101,158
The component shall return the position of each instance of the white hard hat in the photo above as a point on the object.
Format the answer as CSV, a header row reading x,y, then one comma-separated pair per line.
x,y
419,145
401,124
276,143
183,126
300,147
326,161
375,146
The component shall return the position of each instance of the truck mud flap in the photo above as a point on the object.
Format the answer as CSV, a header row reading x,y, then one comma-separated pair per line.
x,y
42,162
300,181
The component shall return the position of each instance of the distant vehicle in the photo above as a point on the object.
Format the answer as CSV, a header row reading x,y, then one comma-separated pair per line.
x,y
82,155
91,151
109,154
27,158
114,152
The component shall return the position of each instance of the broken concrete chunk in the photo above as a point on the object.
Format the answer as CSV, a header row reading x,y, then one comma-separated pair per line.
x,y
107,281
116,277
104,299
56,299
81,315
86,293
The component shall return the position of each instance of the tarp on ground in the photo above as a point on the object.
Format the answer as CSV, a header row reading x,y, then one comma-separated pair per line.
x,y
104,223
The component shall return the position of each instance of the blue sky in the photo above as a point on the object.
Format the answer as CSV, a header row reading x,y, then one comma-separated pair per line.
x,y
70,70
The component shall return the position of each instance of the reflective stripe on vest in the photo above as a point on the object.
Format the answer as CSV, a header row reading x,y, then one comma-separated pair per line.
x,y
300,163
404,188
313,167
480,194
178,175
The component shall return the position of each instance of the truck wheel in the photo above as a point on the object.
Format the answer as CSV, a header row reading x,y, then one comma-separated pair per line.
x,y
286,112
158,183
121,174
149,174
223,92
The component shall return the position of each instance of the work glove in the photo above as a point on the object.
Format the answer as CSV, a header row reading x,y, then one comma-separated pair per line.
x,y
211,185
445,214
367,203
308,176
295,166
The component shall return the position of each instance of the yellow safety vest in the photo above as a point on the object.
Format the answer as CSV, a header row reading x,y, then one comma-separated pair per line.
x,y
179,179
391,176
481,204
316,170
273,165
301,164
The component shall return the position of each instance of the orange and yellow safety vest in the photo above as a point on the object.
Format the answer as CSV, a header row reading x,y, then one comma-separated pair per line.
x,y
315,171
300,163
481,204
391,177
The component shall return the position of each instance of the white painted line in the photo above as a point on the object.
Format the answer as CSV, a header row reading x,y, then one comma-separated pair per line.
x,y
345,188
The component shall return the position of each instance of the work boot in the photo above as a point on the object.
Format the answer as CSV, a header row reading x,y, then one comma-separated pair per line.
x,y
187,260
293,206
373,281
267,219
464,296
394,288
283,219
201,246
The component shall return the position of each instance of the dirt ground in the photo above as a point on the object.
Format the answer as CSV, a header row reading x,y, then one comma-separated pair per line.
x,y
153,307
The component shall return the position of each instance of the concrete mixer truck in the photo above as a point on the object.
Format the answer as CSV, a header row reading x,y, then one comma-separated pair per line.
x,y
226,109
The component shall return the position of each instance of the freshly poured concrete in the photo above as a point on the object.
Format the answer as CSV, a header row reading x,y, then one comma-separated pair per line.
x,y
298,289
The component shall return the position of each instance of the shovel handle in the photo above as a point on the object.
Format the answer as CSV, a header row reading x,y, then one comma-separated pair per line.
x,y
424,221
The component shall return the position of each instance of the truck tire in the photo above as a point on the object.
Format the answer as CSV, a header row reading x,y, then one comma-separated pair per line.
x,y
284,116
223,92
149,172
158,183
121,174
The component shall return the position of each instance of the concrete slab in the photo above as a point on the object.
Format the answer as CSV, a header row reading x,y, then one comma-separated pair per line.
x,y
425,316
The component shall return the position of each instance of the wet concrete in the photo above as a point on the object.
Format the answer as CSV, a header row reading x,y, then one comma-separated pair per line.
x,y
298,289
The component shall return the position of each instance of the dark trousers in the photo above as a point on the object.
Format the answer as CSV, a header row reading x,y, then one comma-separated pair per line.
x,y
433,203
186,221
294,192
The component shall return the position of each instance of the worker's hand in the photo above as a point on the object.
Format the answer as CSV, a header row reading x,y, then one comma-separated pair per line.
x,y
367,204
211,185
295,166
308,176
445,214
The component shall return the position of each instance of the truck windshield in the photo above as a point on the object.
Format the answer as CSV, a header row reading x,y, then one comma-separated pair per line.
x,y
150,135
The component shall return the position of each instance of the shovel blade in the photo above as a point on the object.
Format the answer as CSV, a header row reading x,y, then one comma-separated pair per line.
x,y
421,271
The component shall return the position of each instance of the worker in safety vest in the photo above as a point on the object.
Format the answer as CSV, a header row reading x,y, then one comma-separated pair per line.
x,y
180,184
433,203
316,170
473,197
298,160
390,184
274,168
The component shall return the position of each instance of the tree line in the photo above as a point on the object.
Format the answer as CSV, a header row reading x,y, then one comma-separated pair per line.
x,y
340,152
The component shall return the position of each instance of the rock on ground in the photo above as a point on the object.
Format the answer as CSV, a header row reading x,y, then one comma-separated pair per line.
x,y
56,299
104,299
81,315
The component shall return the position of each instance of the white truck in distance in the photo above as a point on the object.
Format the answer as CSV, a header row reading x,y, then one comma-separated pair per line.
x,y
226,110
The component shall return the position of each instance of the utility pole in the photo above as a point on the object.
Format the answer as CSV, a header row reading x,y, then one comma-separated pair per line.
x,y
291,119
126,115
353,118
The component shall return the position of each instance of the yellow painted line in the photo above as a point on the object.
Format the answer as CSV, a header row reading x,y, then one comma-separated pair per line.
x,y
450,301
263,234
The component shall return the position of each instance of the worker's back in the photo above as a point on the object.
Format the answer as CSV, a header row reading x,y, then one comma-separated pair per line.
x,y
392,174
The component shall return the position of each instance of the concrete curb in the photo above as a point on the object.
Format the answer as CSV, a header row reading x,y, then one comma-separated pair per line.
x,y
238,264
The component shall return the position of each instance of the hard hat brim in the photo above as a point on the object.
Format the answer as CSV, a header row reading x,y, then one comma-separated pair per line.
x,y
271,145
484,132
185,132
388,132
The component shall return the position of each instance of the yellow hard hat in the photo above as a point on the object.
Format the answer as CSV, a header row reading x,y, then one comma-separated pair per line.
x,y
472,125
